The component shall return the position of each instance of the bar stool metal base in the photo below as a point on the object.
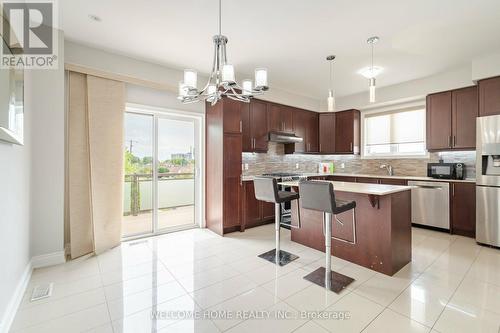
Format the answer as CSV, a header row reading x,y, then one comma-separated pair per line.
x,y
285,257
338,282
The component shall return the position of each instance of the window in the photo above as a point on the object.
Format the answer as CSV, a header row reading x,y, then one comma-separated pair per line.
x,y
395,133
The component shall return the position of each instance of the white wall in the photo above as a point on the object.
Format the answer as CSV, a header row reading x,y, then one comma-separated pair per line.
x,y
32,186
15,163
77,54
486,66
406,91
46,102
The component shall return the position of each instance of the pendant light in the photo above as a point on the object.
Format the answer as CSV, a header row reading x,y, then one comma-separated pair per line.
x,y
371,81
331,96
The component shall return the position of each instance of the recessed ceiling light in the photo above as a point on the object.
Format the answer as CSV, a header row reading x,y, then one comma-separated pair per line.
x,y
369,73
94,18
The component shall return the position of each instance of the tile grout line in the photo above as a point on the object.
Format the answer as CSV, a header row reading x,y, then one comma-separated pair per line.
x,y
418,276
455,291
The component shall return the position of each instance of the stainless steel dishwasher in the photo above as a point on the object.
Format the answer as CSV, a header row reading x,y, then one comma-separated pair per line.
x,y
430,203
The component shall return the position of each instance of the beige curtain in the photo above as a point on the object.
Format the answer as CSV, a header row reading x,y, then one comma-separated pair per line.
x,y
95,163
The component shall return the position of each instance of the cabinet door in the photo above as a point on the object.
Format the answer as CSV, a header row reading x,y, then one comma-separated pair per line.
x,y
464,113
327,133
392,181
312,132
286,117
274,122
258,125
463,211
344,132
232,116
245,128
342,179
367,180
252,206
232,180
267,211
439,121
299,126
489,97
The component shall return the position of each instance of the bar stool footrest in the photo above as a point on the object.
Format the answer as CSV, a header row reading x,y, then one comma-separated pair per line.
x,y
285,257
338,281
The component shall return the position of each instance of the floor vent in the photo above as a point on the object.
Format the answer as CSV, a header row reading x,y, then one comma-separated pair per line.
x,y
42,291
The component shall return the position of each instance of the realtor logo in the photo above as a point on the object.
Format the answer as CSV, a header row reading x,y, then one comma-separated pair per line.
x,y
29,34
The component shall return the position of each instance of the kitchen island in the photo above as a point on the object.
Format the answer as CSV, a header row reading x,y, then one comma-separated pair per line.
x,y
383,225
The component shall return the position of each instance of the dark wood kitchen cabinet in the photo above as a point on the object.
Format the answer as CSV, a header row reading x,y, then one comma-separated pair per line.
x,y
279,118
223,166
347,132
451,119
305,124
464,111
255,212
489,96
254,126
327,133
439,121
463,209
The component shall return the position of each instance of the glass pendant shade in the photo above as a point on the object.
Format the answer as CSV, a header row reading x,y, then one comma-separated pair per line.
x,y
372,90
228,73
190,78
330,101
247,86
183,90
260,78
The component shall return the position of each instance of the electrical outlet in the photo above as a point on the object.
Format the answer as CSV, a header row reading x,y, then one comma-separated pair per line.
x,y
296,165
342,165
246,166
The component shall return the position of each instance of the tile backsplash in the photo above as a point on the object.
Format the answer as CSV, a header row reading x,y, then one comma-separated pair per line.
x,y
275,160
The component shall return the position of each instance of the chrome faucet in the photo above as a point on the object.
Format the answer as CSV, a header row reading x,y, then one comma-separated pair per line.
x,y
389,169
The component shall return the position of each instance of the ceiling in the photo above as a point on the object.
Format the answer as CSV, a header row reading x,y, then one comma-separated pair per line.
x,y
292,38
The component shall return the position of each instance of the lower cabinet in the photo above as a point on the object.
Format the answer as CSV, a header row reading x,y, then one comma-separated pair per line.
x,y
463,209
255,212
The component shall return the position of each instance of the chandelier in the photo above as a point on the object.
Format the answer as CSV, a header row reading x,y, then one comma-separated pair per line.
x,y
221,82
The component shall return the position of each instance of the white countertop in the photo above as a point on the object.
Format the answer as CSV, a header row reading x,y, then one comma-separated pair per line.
x,y
466,180
372,189
340,174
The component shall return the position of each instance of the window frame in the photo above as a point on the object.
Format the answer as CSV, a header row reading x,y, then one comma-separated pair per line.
x,y
419,105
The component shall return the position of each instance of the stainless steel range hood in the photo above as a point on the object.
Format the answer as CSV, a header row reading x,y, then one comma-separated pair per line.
x,y
281,137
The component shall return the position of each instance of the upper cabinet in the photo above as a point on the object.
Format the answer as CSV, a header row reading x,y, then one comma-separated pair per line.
x,y
451,119
489,97
254,126
279,118
327,133
305,125
347,132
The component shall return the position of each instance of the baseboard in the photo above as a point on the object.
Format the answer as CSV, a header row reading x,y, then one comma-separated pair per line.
x,y
48,259
15,300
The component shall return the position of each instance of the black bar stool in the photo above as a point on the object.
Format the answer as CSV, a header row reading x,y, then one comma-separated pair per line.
x,y
319,196
266,189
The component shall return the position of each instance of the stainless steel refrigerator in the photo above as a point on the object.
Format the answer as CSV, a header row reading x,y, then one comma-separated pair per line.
x,y
488,180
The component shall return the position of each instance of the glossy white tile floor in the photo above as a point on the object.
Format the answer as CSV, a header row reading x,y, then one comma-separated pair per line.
x,y
452,285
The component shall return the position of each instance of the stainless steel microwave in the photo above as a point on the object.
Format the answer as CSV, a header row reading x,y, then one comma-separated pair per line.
x,y
446,170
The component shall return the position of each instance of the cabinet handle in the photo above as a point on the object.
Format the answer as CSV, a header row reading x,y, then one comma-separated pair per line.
x,y
450,141
453,189
241,126
351,147
241,180
454,140
320,147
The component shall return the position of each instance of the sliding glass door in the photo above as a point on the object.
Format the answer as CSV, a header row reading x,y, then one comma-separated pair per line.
x,y
161,182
